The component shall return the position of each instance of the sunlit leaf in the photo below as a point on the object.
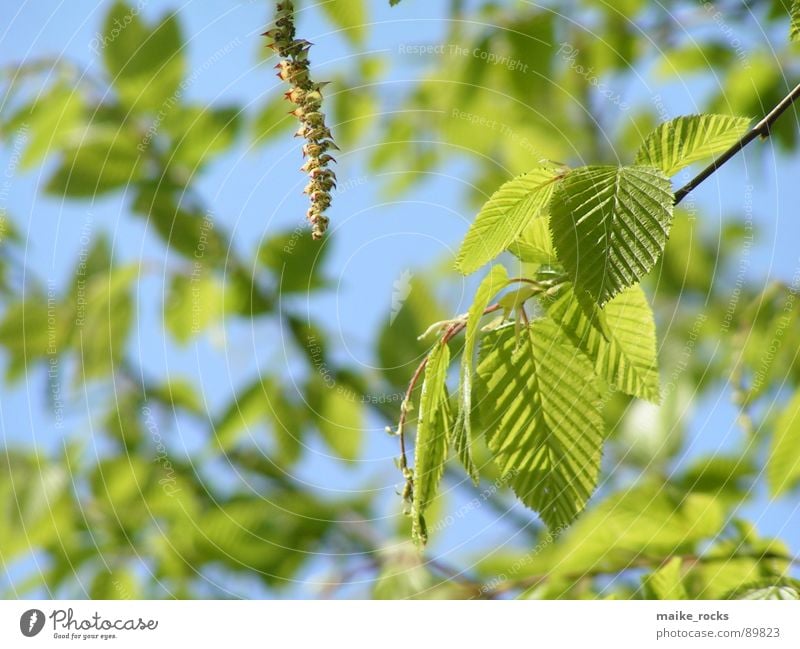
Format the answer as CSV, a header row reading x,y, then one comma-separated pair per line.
x,y
610,226
540,406
462,430
621,341
432,432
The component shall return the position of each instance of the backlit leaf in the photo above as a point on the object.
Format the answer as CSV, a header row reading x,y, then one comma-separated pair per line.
x,y
610,225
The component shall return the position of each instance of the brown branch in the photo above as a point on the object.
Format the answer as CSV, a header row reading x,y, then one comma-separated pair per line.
x,y
761,129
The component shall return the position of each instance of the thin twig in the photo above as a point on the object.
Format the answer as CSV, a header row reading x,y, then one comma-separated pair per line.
x,y
761,129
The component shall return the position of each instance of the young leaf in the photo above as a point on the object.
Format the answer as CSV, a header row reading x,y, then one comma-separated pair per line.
x,y
666,582
504,216
145,65
794,27
462,431
685,140
540,407
610,226
432,431
621,341
783,464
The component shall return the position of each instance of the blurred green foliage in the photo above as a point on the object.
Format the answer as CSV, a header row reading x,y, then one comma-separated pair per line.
x,y
141,522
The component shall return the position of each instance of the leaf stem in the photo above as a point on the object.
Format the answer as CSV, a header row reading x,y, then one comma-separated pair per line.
x,y
761,129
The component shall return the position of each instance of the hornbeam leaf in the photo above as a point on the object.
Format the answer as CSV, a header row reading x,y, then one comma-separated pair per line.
x,y
505,215
685,140
540,406
432,431
535,244
621,340
610,226
351,16
462,431
783,464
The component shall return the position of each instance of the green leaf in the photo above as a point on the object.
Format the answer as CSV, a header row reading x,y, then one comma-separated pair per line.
x,y
462,431
794,27
339,417
504,216
540,406
264,399
783,464
771,588
102,327
649,519
272,119
146,66
535,244
193,303
36,502
201,133
49,122
31,330
666,582
398,348
355,108
296,261
610,226
685,140
183,227
349,16
432,430
621,341
274,539
119,584
104,161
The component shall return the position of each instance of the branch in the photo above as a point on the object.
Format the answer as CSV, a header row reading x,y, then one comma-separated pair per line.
x,y
762,129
